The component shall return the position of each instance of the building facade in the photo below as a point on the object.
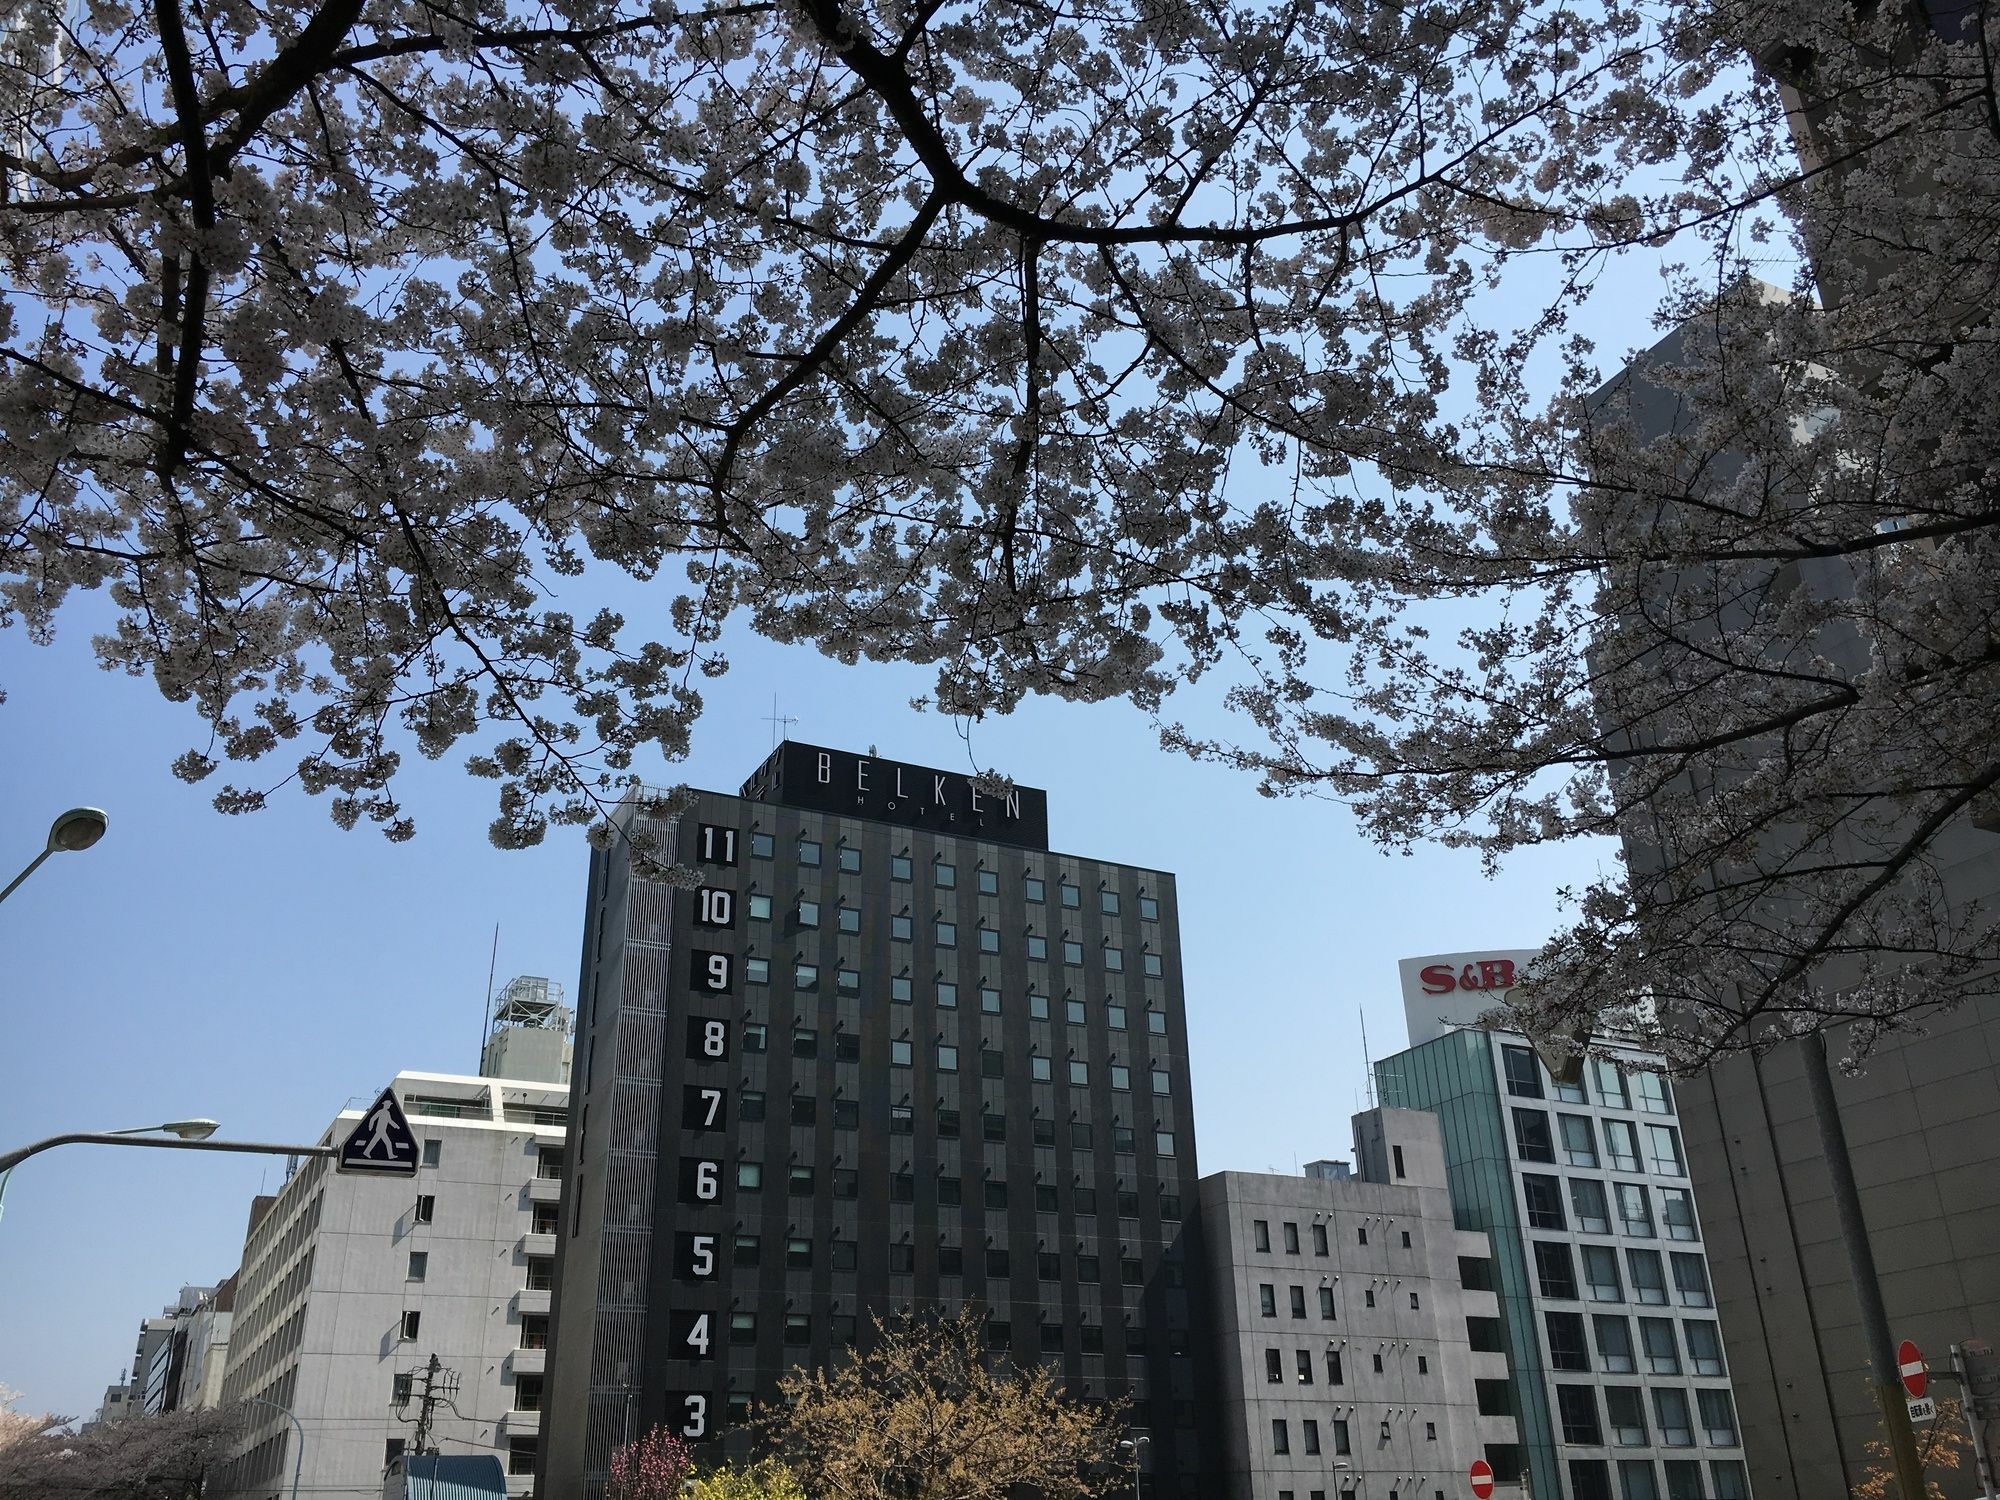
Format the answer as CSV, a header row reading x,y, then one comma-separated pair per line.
x,y
891,1054
1348,1351
1620,1382
351,1285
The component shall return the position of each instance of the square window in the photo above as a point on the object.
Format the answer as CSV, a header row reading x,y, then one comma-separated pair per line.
x,y
901,928
1038,947
993,1127
992,1063
805,1109
760,907
1156,1022
805,1042
946,875
1163,1142
989,1001
1121,1077
806,977
899,867
850,860
1041,1069
899,989
902,1119
1149,909
1036,891
809,853
1162,1083
1114,1017
1079,1071
750,1105
746,1250
1154,965
1038,1007
846,1113
1072,896
947,1124
756,971
947,994
989,940
808,913
761,846
750,1176
1072,952
1107,902
989,882
742,1328
846,1046
846,1182
1073,1012
1124,1138
899,1054
948,1192
1114,960
846,1255
947,934
798,1253
1046,1201
849,920
1080,1137
947,1058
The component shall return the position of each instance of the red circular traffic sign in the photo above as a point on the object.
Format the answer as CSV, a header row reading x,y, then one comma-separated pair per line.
x,y
1910,1365
1482,1478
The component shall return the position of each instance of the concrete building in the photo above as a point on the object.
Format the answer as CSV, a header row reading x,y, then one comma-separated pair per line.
x,y
530,1032
1349,1351
894,1052
351,1285
1620,1384
201,1355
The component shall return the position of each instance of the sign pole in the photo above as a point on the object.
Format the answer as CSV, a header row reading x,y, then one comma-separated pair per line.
x,y
1889,1393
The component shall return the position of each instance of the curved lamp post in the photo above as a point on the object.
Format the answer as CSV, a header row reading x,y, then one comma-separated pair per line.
x,y
299,1457
179,1135
74,831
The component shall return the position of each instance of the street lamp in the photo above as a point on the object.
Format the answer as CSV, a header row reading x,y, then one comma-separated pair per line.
x,y
1131,1446
74,831
181,1135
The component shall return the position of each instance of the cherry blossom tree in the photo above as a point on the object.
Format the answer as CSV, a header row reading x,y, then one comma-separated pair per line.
x,y
162,1457
1091,350
650,1467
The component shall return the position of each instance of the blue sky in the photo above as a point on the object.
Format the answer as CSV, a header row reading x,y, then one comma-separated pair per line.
x,y
265,970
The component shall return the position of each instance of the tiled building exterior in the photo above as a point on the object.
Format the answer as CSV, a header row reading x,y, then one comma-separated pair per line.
x,y
893,1053
349,1283
1621,1384
1348,1351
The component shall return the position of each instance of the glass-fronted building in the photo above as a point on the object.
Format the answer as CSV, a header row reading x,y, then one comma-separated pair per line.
x,y
1620,1386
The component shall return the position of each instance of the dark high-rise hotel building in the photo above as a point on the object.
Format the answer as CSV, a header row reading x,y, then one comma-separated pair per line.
x,y
890,1052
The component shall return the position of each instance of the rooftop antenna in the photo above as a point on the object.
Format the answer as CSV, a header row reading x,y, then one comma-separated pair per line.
x,y
486,1016
777,721
1367,1057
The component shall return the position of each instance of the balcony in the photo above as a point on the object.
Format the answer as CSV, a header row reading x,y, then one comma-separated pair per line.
x,y
538,1244
529,1302
545,1190
520,1423
535,1361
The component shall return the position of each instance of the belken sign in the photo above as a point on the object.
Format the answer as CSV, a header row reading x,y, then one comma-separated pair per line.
x,y
867,786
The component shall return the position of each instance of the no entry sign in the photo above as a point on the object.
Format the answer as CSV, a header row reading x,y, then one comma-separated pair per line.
x,y
1482,1478
1910,1365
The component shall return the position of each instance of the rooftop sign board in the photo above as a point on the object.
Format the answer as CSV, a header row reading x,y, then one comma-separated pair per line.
x,y
1445,991
891,791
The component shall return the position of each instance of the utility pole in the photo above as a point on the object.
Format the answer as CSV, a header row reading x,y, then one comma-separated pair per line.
x,y
1861,1263
440,1389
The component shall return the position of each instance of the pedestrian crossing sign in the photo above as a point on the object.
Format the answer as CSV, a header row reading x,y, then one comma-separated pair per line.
x,y
382,1141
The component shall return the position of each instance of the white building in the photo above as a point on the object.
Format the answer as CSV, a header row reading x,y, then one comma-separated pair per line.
x,y
350,1284
1619,1379
1349,1349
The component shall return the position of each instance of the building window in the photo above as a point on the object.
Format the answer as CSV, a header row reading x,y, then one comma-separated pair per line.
x,y
749,1177
989,940
1149,909
1589,1479
1335,1376
849,859
808,913
846,1048
521,1454
1298,1298
1326,1302
1555,1273
1543,1196
1635,1211
1079,1072
1038,947
1677,1213
1614,1344
805,1042
1154,966
1670,1410
1524,1078
534,1330
903,1259
1577,1405
1718,1418
1704,1345
1319,1239
1691,1281
425,1210
1656,1336
1309,1435
742,1328
989,1001
1163,1084
809,852
392,1450
1531,1136
412,1321
756,1037
1652,1093
433,1151
1579,1139
899,867
1073,1012
1163,1142
1600,1273
1587,1200
1072,952
1267,1300
1072,896
1121,1078
401,1388
1413,1302
746,1249
947,1058
1731,1483
1567,1350
1621,1145
1034,889
947,935
845,1254
1625,1414
847,981
1156,1022
1649,1282
1114,1017
756,971
762,846
420,1264
750,1105
900,1055
1038,1006
1041,1069
1609,1083
1114,959
1663,1151
901,927
945,875
1303,1360
758,904
527,1392
1281,1436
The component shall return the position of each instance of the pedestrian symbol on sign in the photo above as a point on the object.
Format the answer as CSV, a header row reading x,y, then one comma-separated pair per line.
x,y
382,1141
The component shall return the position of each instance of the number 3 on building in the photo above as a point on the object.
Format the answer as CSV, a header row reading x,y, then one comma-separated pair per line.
x,y
695,1410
